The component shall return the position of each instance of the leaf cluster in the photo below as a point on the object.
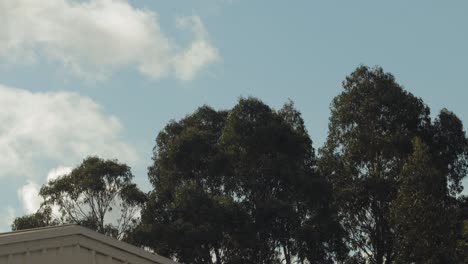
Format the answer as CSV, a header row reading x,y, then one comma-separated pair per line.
x,y
239,186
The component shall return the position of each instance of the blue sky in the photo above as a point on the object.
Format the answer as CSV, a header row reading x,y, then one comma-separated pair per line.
x,y
104,76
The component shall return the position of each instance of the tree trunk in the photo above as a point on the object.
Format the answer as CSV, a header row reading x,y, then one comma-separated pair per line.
x,y
287,256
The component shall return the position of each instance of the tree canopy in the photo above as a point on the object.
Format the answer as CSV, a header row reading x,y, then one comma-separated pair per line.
x,y
245,186
98,194
41,218
372,124
423,214
239,185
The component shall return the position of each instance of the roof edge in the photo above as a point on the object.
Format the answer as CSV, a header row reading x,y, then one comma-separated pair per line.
x,y
71,229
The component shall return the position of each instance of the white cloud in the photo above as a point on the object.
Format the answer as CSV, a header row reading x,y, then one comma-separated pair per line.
x,y
57,127
8,216
29,197
200,52
94,37
29,193
58,172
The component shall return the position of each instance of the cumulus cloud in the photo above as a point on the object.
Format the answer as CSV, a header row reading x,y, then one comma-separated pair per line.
x,y
58,127
93,37
29,193
29,197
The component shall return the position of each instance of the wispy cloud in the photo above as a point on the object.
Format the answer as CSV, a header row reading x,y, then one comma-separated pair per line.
x,y
200,52
92,38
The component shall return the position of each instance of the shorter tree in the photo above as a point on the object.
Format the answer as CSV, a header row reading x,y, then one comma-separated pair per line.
x,y
98,194
422,213
42,218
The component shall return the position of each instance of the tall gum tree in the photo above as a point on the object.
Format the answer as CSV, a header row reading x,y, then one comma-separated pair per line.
x,y
272,168
189,212
372,124
239,186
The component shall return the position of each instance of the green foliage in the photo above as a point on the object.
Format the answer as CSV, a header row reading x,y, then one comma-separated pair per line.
x,y
355,259
244,186
239,187
462,229
450,147
371,127
41,218
423,215
372,124
186,213
462,243
87,196
272,170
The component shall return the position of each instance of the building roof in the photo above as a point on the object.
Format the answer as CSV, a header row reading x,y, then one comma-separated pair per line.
x,y
80,239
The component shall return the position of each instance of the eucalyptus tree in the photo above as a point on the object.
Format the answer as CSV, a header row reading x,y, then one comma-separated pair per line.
x,y
188,213
239,186
272,171
372,124
98,194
